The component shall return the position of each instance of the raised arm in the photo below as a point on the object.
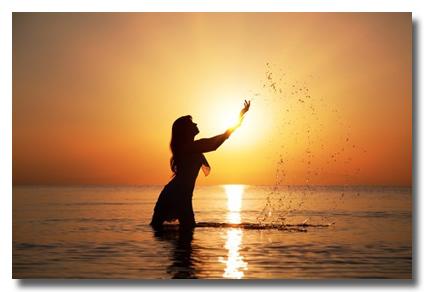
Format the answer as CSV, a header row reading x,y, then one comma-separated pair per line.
x,y
211,144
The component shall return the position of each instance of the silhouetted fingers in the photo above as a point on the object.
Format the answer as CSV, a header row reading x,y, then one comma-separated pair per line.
x,y
247,104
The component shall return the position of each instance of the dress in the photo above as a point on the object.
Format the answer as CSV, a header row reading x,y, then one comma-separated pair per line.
x,y
175,200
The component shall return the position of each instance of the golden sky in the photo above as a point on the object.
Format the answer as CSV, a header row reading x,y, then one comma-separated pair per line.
x,y
95,95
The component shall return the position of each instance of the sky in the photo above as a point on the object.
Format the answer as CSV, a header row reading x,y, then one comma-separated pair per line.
x,y
95,95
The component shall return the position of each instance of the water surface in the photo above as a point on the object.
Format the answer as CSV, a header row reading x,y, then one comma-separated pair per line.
x,y
103,232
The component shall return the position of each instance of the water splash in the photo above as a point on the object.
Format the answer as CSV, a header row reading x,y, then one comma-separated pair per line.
x,y
303,117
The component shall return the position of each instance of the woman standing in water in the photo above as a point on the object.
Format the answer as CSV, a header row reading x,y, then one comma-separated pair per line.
x,y
175,200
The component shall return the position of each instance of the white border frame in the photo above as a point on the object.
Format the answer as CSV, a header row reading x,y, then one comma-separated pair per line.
x,y
9,6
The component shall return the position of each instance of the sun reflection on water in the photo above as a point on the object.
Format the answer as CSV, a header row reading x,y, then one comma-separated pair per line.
x,y
235,264
234,202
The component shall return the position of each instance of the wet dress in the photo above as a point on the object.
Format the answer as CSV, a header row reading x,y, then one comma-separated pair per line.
x,y
175,200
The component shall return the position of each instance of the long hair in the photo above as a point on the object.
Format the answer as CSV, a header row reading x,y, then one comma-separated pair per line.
x,y
180,135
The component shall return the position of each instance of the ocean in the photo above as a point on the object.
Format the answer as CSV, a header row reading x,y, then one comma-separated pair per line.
x,y
334,232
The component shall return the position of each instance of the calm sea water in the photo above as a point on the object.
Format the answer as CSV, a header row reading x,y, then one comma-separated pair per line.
x,y
103,232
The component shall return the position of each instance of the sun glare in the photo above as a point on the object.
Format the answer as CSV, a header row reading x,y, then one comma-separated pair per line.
x,y
224,114
234,197
235,264
234,202
228,117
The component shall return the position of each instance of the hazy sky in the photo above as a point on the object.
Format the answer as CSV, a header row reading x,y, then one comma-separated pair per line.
x,y
95,95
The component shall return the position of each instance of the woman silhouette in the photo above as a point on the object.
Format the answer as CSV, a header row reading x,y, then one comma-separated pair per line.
x,y
175,200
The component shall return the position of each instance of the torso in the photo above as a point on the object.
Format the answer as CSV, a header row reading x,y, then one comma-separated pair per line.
x,y
188,170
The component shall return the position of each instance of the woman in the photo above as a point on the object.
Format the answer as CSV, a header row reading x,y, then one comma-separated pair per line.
x,y
175,200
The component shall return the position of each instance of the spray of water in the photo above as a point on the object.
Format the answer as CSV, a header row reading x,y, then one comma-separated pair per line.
x,y
302,117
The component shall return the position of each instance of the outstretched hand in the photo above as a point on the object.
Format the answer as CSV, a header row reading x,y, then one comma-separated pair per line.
x,y
246,104
245,109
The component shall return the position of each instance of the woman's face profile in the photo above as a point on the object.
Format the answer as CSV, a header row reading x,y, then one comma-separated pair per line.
x,y
195,129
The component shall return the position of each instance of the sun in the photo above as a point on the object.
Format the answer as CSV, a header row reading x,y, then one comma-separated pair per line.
x,y
224,114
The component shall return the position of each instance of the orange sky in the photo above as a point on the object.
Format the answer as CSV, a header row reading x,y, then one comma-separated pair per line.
x,y
95,95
